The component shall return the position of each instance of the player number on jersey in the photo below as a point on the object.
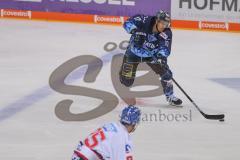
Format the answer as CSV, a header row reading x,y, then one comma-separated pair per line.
x,y
93,140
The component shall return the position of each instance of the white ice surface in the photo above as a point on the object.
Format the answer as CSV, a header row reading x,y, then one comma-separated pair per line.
x,y
31,50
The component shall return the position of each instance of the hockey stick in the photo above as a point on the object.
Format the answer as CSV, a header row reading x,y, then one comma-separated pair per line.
x,y
207,116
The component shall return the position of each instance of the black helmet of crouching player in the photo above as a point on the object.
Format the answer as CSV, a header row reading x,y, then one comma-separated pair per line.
x,y
165,17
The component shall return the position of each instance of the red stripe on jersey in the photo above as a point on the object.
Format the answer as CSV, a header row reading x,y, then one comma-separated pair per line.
x,y
80,155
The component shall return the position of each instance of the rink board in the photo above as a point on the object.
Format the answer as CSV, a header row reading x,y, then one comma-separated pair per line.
x,y
114,20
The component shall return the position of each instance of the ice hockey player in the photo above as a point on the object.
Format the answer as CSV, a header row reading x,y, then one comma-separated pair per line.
x,y
150,42
112,141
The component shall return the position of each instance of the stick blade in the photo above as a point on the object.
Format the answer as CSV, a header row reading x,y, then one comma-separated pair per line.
x,y
214,117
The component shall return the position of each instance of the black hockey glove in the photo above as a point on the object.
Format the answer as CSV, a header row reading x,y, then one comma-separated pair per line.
x,y
139,38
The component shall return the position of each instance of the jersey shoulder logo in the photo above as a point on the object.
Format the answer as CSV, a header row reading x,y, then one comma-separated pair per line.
x,y
141,18
138,18
110,128
163,35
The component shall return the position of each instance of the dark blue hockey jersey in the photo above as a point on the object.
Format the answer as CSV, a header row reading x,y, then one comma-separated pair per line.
x,y
158,44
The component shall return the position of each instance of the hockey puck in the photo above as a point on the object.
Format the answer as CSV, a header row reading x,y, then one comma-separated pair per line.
x,y
221,120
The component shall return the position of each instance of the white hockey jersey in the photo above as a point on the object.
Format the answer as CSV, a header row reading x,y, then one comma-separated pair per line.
x,y
110,142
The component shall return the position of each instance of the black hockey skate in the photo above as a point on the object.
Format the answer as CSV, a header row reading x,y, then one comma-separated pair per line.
x,y
174,101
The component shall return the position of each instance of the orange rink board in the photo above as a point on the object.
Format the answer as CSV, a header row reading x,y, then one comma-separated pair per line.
x,y
114,20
